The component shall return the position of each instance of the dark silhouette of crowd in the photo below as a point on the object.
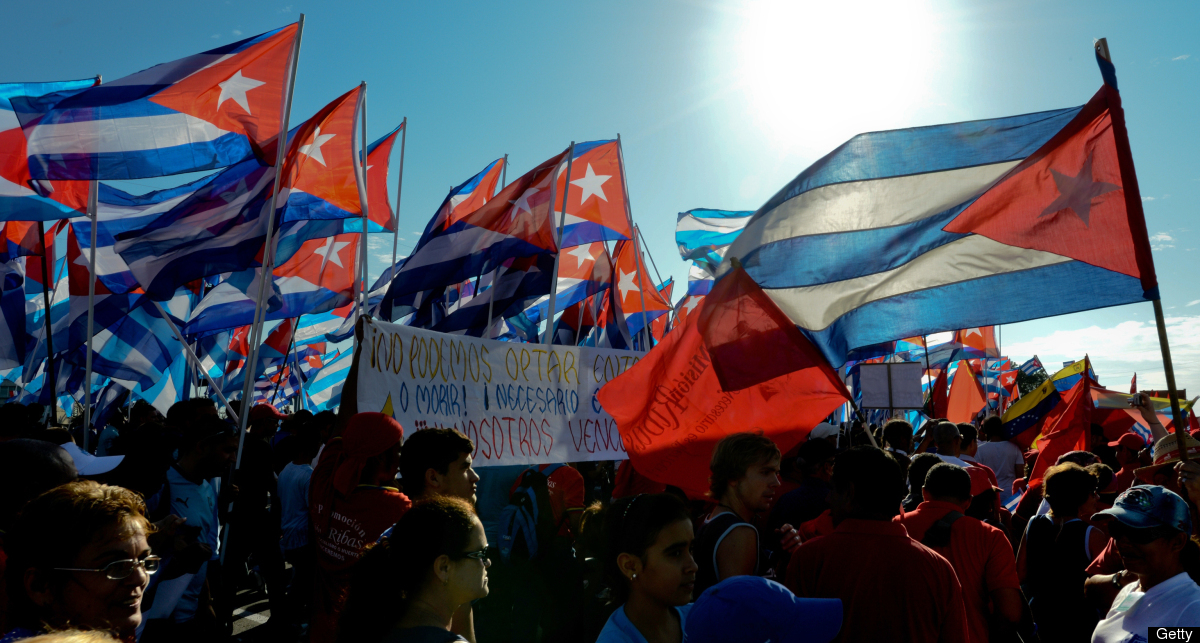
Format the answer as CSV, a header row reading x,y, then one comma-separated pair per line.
x,y
357,530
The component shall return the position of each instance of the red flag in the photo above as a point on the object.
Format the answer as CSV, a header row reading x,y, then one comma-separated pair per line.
x,y
966,396
939,394
659,326
981,339
379,208
1133,385
671,408
1066,429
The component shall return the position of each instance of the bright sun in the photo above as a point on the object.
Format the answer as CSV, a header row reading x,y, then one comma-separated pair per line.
x,y
816,73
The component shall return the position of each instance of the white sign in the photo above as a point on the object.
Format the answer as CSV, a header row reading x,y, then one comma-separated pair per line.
x,y
519,403
892,386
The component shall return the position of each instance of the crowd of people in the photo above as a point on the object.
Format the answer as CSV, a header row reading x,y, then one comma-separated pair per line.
x,y
358,532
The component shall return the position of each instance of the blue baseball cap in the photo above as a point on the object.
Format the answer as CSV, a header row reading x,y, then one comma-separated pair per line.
x,y
1145,506
751,609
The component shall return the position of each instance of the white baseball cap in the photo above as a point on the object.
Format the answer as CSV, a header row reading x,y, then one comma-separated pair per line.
x,y
89,465
823,430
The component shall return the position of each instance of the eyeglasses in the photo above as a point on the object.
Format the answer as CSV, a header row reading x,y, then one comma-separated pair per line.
x,y
121,569
1138,536
479,554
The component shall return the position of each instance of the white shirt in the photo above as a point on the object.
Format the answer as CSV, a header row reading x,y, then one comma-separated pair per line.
x,y
1172,603
953,460
1002,458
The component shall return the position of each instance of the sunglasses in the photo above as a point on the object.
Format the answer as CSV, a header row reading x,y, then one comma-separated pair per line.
x,y
121,569
1143,536
479,554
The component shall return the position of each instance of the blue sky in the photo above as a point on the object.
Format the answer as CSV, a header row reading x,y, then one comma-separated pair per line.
x,y
719,103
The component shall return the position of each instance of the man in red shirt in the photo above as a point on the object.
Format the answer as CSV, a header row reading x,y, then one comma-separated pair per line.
x,y
565,485
351,502
892,587
1127,447
981,555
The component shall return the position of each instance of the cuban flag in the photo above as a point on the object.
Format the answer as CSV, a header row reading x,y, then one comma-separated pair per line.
x,y
583,271
380,217
596,202
915,231
520,281
14,337
318,278
206,111
22,198
704,235
659,327
1032,366
516,223
465,198
634,287
320,176
325,390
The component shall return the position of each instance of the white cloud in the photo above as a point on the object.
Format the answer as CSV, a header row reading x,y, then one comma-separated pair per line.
x,y
1183,57
1161,236
1162,246
287,9
216,35
1192,303
236,32
1118,352
1147,198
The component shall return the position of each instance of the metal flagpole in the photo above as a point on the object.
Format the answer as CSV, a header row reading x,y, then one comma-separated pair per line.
x,y
562,221
1133,196
269,247
670,312
363,198
637,252
93,214
50,380
195,360
399,187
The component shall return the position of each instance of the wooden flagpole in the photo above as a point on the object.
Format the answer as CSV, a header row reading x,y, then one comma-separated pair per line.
x,y
1133,195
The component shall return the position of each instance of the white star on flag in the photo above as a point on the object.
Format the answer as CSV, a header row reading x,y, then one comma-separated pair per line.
x,y
691,304
972,331
329,252
591,184
235,89
313,150
627,284
581,255
238,190
522,202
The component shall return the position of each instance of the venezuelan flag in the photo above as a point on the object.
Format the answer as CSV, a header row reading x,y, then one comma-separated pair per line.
x,y
1023,420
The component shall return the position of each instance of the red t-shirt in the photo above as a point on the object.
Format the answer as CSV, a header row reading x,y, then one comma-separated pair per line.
x,y
892,587
981,555
819,526
566,494
628,482
1108,562
353,523
1125,478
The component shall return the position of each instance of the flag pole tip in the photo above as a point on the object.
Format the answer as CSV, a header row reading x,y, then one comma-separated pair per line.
x,y
735,262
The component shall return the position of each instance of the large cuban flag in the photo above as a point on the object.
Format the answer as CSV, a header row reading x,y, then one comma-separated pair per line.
x,y
909,232
596,203
206,111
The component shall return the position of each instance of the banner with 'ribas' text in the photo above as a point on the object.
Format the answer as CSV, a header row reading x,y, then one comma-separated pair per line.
x,y
519,403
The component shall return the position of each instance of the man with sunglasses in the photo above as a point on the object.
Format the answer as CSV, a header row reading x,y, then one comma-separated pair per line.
x,y
1151,526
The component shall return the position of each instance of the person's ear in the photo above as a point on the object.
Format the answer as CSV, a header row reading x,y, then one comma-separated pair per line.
x,y
1178,542
629,565
433,479
441,567
925,495
37,587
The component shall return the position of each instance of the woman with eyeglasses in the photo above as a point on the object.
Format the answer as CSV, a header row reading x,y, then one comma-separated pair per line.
x,y
78,558
1152,527
407,587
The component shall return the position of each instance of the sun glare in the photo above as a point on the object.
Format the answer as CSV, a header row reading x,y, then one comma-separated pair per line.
x,y
816,73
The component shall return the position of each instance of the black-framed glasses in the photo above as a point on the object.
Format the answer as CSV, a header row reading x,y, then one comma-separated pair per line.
x,y
121,569
479,554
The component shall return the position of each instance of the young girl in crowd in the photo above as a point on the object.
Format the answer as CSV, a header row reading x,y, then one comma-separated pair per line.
x,y
78,558
406,587
1152,527
650,569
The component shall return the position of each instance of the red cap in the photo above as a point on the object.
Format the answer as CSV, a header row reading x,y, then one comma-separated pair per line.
x,y
1129,441
265,412
980,481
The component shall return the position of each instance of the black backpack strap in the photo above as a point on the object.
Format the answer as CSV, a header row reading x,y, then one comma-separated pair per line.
x,y
938,534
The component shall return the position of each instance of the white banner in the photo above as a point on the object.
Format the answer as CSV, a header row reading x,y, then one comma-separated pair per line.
x,y
519,403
